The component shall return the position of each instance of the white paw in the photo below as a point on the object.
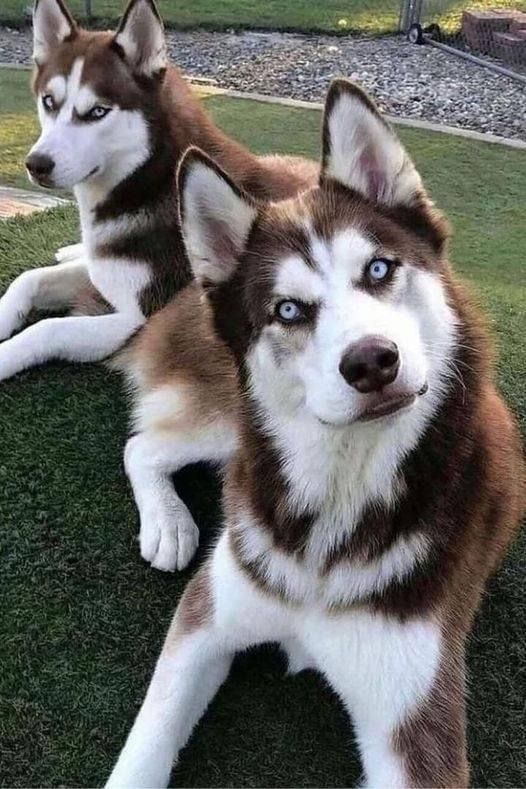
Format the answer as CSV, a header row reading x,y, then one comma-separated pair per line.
x,y
9,360
169,536
68,253
15,305
10,321
297,657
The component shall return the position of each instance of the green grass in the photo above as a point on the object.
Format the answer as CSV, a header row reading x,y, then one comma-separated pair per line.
x,y
82,618
330,16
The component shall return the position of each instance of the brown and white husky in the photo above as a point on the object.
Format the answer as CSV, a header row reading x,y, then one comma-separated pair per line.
x,y
377,476
116,119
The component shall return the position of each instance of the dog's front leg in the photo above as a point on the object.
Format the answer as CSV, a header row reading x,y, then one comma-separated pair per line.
x,y
403,686
220,613
169,535
48,289
74,339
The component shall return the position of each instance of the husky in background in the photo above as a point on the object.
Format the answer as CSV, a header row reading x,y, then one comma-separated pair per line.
x,y
116,119
377,477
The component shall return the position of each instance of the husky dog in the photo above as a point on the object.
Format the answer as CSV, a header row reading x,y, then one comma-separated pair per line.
x,y
115,121
377,477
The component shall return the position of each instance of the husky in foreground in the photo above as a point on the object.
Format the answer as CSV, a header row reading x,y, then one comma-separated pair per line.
x,y
377,477
115,121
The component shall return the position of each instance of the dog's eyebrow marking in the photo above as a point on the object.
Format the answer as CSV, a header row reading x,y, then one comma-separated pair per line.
x,y
296,278
342,257
85,100
57,88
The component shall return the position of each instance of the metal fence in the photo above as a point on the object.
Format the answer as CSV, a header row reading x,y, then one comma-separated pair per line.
x,y
492,33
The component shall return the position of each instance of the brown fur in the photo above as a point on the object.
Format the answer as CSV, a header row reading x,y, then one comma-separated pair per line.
x,y
196,607
432,741
178,347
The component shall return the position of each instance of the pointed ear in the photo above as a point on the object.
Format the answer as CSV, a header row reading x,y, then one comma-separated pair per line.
x,y
362,152
140,36
52,24
216,217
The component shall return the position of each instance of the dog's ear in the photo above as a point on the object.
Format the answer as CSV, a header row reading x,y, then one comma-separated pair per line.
x,y
216,217
140,36
362,152
52,24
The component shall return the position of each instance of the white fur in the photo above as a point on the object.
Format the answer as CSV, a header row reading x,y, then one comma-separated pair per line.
x,y
381,669
168,534
73,339
70,252
50,288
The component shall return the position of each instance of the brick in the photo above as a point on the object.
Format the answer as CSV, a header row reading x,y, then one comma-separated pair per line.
x,y
510,48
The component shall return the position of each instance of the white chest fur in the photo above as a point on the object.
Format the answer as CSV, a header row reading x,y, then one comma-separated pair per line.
x,y
337,474
119,280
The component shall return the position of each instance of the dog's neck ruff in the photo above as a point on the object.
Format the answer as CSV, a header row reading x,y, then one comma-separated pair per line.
x,y
317,514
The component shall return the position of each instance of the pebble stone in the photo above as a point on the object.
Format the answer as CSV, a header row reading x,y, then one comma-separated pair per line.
x,y
407,80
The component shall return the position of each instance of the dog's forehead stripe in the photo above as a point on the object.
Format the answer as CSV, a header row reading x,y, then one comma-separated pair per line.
x,y
297,279
57,88
85,99
71,92
341,258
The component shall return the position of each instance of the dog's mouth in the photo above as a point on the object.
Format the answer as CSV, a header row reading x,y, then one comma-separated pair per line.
x,y
391,405
47,182
386,406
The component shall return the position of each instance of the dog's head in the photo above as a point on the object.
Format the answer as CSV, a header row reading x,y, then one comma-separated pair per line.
x,y
95,94
333,302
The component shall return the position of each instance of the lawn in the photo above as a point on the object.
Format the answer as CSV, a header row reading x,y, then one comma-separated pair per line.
x,y
330,16
82,618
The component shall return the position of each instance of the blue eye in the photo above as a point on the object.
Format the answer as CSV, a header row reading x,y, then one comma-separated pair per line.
x,y
97,113
289,311
379,269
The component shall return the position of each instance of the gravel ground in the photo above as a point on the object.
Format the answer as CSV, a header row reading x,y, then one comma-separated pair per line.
x,y
408,81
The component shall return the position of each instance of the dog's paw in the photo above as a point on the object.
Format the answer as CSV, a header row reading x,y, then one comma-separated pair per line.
x,y
69,253
169,536
14,306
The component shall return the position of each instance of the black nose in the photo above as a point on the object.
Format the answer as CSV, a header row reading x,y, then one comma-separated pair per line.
x,y
39,165
370,364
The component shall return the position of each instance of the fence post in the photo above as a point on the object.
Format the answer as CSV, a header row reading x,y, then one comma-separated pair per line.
x,y
87,9
410,14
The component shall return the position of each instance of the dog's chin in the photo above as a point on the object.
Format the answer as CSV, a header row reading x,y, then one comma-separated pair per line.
x,y
378,408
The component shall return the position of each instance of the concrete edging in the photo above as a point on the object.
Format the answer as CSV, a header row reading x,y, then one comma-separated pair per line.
x,y
413,123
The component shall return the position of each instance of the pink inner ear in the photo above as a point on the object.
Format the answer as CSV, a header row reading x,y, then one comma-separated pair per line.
x,y
374,177
221,241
